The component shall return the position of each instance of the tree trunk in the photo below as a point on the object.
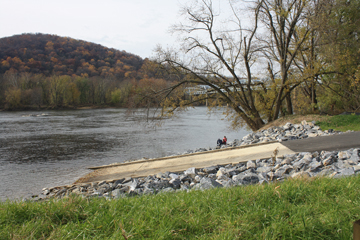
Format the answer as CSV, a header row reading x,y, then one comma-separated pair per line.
x,y
289,107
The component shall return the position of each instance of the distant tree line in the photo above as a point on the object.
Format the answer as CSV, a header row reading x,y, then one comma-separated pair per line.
x,y
35,91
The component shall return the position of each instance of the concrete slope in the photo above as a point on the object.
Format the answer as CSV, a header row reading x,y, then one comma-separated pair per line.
x,y
222,157
181,163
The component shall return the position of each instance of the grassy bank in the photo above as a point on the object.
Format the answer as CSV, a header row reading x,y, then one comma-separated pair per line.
x,y
341,123
338,122
294,209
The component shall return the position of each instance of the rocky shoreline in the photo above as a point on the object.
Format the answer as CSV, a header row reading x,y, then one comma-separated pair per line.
x,y
326,163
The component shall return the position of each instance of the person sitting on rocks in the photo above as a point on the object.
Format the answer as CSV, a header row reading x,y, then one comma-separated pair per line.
x,y
219,142
224,140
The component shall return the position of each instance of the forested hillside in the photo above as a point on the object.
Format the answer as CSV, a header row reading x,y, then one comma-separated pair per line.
x,y
47,71
51,54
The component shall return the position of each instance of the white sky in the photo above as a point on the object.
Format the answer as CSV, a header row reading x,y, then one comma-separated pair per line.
x,y
135,26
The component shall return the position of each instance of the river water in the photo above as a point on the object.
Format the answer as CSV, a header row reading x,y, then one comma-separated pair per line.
x,y
53,148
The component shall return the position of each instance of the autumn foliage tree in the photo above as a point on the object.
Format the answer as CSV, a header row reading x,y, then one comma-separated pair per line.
x,y
339,30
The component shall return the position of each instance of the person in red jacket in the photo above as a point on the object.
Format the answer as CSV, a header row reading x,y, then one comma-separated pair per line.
x,y
224,140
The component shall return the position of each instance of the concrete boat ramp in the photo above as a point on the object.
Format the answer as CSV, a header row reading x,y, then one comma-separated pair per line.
x,y
180,163
224,156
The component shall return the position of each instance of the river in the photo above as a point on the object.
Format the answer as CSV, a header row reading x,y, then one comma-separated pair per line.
x,y
53,148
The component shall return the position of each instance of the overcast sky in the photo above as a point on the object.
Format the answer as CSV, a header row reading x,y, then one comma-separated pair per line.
x,y
135,26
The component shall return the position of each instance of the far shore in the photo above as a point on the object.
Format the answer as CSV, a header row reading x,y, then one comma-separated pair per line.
x,y
42,108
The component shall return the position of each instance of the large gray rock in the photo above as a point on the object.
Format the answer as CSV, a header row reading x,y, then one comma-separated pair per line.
x,y
287,126
349,163
135,192
314,165
190,172
246,178
117,182
211,175
232,171
342,155
355,156
200,150
311,135
184,178
286,169
124,189
227,183
328,161
173,176
148,191
250,178
251,164
75,191
325,172
345,172
101,183
220,173
299,164
212,169
356,168
176,183
196,186
197,178
207,183
301,174
132,185
184,188
341,164
45,191
126,180
242,168
286,161
264,169
308,158
157,185
327,154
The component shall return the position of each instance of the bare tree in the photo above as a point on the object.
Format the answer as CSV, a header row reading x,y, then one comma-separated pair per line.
x,y
219,58
225,57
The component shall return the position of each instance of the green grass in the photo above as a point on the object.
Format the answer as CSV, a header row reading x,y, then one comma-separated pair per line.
x,y
294,209
341,123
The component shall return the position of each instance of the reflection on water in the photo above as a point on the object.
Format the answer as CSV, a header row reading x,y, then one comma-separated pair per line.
x,y
51,148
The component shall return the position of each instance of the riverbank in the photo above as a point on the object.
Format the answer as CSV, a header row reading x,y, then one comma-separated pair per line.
x,y
279,165
43,108
307,208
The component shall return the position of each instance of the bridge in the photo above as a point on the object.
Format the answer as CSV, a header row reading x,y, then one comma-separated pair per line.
x,y
199,90
205,89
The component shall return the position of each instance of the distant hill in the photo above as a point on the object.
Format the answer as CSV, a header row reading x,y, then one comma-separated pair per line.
x,y
54,55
